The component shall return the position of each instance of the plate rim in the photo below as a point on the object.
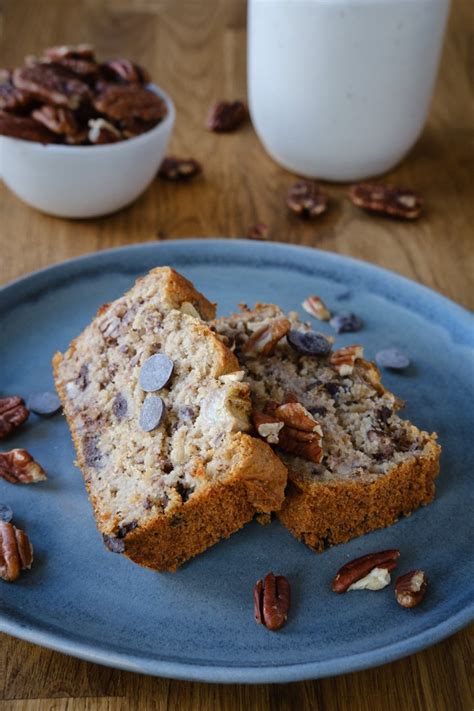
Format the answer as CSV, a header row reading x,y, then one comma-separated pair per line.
x,y
105,655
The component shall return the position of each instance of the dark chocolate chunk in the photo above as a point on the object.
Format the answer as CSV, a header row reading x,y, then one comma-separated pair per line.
x,y
392,358
120,407
114,544
346,322
6,514
83,377
184,490
45,403
332,388
92,455
155,372
383,413
321,410
309,343
126,528
153,411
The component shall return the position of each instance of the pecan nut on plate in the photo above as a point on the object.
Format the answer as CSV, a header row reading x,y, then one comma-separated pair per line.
x,y
13,412
16,552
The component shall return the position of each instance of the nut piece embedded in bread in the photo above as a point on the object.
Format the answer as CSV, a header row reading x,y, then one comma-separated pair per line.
x,y
368,467
164,489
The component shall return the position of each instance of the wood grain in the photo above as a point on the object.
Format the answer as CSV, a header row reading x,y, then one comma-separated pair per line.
x,y
196,51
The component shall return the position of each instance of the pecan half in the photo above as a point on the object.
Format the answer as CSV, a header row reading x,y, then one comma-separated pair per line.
x,y
306,445
357,569
125,70
268,427
307,199
16,552
343,360
130,103
174,168
316,307
79,59
302,434
13,413
265,339
19,467
69,51
386,199
58,119
271,598
53,84
410,588
25,128
294,414
13,99
226,116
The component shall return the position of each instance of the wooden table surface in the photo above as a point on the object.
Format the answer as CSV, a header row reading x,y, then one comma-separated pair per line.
x,y
196,51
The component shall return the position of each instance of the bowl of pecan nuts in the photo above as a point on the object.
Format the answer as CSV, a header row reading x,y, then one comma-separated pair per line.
x,y
80,138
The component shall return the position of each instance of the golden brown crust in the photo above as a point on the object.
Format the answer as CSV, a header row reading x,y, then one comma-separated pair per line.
x,y
178,289
323,514
256,483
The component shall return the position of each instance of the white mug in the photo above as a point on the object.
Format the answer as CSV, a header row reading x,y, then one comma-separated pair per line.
x,y
340,89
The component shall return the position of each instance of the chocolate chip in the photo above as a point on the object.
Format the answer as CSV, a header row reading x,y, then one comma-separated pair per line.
x,y
82,378
155,372
167,466
383,413
184,490
113,544
309,343
119,407
187,413
392,358
153,411
332,388
346,322
45,403
6,514
92,454
317,410
126,528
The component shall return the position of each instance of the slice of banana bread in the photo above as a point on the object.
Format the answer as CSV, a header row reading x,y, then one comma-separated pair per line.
x,y
354,465
158,411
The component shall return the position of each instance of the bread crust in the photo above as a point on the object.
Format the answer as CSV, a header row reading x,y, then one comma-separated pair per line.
x,y
323,514
255,481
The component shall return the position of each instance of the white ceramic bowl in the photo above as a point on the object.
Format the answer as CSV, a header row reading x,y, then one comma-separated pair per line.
x,y
85,181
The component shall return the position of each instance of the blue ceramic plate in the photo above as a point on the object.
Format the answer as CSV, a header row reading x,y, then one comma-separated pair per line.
x,y
198,623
